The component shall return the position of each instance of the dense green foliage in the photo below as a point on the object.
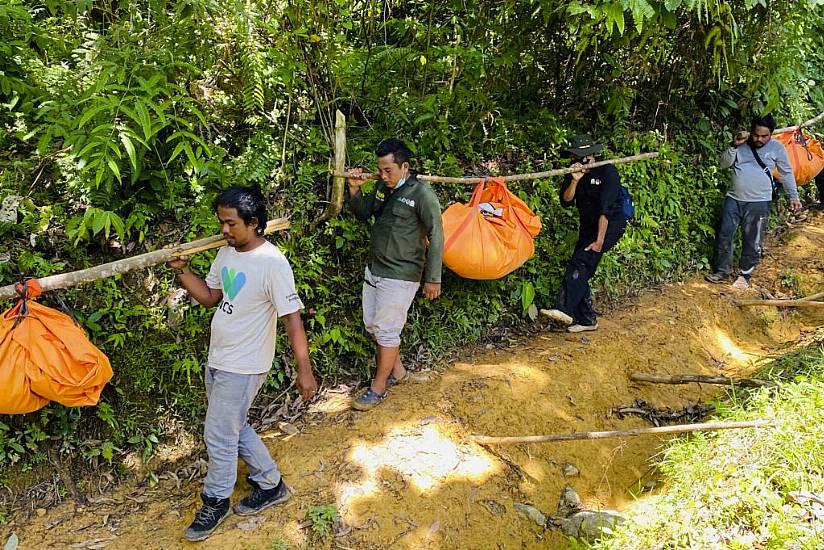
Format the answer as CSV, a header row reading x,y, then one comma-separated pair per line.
x,y
739,489
121,120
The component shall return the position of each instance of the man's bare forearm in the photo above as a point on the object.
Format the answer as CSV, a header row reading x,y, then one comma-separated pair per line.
x,y
298,341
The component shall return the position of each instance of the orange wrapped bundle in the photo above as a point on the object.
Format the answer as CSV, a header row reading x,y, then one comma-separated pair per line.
x,y
806,155
491,236
45,356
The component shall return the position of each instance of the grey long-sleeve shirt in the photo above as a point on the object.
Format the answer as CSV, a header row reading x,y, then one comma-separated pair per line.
x,y
750,183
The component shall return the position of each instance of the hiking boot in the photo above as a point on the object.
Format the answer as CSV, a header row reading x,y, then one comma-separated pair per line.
x,y
741,283
582,328
368,400
717,278
210,515
261,499
557,315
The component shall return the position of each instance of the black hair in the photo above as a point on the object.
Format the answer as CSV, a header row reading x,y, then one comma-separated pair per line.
x,y
766,121
249,203
395,147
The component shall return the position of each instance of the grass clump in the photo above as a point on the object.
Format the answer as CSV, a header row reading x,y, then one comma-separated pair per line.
x,y
740,489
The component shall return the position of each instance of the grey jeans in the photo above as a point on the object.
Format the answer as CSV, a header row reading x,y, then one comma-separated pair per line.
x,y
228,434
752,217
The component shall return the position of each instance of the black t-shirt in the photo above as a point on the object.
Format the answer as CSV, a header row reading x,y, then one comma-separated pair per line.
x,y
598,192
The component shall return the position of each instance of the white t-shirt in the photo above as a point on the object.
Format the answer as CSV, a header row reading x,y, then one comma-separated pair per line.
x,y
258,287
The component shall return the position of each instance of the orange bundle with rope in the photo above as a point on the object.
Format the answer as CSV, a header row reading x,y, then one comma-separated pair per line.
x,y
46,356
492,235
805,153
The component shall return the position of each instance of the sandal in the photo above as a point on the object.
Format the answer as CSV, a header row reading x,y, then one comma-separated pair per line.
x,y
391,380
368,400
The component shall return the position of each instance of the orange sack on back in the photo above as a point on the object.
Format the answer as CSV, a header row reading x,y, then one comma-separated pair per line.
x,y
45,356
806,155
492,235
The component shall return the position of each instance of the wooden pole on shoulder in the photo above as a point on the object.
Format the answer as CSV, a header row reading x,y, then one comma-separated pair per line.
x,y
515,177
804,124
74,278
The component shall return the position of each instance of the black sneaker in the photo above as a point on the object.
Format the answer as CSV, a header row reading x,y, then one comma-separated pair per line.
x,y
717,278
261,499
210,515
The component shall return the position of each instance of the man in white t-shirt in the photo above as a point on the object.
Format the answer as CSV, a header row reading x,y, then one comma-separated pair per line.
x,y
252,284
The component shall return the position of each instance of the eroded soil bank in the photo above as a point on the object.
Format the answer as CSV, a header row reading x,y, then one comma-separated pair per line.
x,y
406,476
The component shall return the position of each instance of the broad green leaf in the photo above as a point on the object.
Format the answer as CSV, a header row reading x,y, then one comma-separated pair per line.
x,y
90,113
129,146
114,168
527,295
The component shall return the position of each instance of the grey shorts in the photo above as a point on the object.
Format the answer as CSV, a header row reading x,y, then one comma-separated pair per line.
x,y
385,306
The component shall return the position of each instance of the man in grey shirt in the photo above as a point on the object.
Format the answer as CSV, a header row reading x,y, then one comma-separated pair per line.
x,y
753,160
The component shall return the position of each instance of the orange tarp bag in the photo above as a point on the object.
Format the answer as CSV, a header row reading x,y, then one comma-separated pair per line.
x,y
806,155
45,356
492,235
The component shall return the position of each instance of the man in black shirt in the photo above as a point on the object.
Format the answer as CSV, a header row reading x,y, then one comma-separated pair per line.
x,y
597,195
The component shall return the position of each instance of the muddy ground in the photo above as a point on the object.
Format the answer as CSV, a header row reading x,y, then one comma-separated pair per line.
x,y
406,476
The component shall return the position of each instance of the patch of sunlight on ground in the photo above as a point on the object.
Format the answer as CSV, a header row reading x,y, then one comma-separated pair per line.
x,y
332,404
425,536
292,533
732,350
424,455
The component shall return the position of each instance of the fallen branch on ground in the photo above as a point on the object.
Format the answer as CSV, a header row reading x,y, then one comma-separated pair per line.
x,y
681,428
695,378
74,278
690,413
779,303
516,177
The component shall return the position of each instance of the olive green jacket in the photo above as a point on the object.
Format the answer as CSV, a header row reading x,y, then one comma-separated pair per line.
x,y
404,220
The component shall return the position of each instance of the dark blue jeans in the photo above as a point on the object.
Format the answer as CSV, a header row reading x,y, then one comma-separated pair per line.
x,y
752,217
575,295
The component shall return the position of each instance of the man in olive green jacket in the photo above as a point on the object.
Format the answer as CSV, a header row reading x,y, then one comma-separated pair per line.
x,y
407,215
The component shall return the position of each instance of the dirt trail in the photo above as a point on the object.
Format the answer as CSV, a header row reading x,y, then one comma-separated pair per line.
x,y
405,476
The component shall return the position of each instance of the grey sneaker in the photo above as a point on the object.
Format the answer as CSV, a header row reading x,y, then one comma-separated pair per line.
x,y
741,283
261,499
582,328
210,515
557,315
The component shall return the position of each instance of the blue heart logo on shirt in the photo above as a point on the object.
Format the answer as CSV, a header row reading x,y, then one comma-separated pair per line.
x,y
233,281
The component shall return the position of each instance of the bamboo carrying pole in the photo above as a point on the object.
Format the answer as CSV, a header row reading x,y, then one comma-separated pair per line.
x,y
681,428
802,125
74,278
517,177
695,378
